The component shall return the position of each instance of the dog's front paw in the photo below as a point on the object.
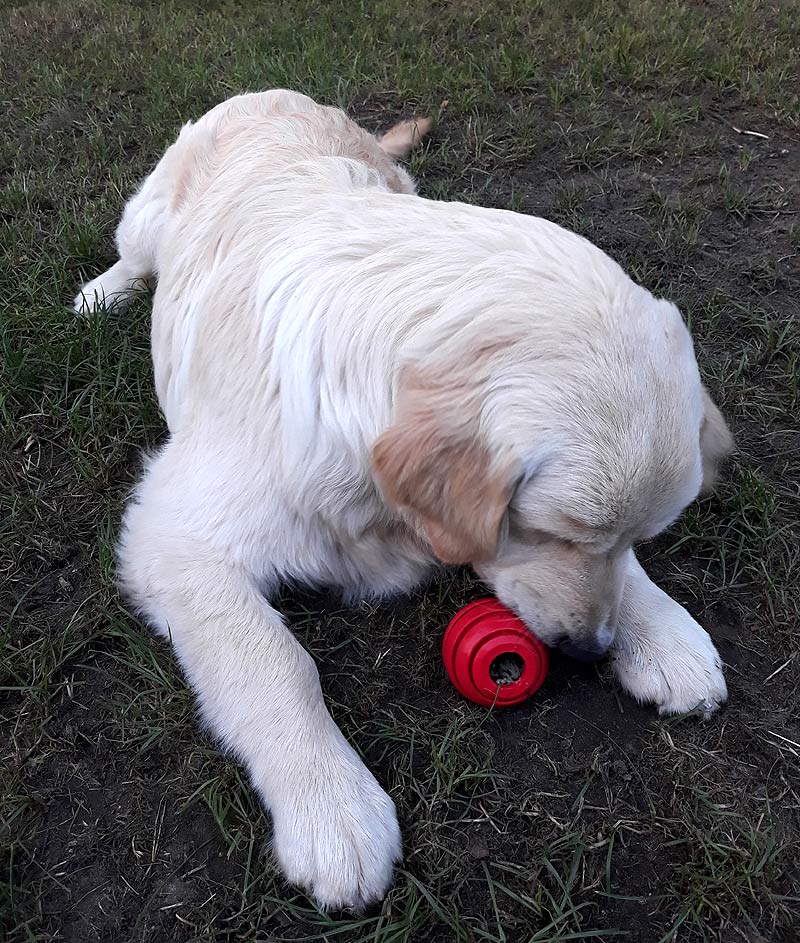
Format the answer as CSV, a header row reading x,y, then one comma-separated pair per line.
x,y
338,838
671,663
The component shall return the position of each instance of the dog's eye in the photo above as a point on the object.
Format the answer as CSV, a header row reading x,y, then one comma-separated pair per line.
x,y
521,532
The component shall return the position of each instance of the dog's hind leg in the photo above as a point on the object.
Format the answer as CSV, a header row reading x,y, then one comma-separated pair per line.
x,y
111,290
139,236
335,829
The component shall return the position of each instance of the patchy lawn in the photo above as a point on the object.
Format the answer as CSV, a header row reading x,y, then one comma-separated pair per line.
x,y
668,133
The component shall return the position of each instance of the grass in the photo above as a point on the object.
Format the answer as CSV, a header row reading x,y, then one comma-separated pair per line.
x,y
578,816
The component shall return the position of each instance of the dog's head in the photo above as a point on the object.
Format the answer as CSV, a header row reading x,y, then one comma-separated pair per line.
x,y
541,452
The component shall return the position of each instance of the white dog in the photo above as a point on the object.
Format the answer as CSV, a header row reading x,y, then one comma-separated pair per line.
x,y
359,384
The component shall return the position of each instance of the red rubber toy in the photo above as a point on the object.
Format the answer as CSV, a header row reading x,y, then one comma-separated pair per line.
x,y
482,637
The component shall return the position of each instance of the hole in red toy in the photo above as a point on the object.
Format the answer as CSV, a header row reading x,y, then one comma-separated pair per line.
x,y
506,668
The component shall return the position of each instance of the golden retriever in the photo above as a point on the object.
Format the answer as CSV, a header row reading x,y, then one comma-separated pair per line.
x,y
360,384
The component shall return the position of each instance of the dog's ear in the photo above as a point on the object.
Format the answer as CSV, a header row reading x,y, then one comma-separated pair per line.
x,y
402,138
448,480
716,441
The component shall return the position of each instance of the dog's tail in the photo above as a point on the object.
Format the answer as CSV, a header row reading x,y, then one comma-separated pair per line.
x,y
402,138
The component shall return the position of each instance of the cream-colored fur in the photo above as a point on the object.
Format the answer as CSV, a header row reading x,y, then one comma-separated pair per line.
x,y
360,383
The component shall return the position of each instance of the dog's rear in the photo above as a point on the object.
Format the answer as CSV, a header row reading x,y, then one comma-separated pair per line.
x,y
294,129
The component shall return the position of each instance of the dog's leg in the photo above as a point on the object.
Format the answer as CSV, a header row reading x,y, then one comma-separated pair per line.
x,y
138,241
660,654
111,290
335,829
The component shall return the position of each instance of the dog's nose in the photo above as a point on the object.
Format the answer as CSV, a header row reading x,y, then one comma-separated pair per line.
x,y
587,649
